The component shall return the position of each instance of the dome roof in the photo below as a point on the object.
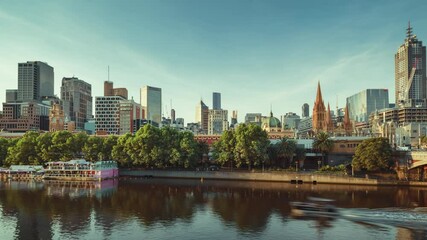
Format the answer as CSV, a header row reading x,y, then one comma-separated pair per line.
x,y
271,122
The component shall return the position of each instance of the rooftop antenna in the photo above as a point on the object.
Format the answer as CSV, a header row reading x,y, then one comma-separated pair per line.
x,y
108,72
409,30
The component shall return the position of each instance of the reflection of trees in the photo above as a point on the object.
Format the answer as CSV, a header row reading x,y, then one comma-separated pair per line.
x,y
246,205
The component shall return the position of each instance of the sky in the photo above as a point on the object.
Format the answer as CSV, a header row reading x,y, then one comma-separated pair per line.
x,y
259,55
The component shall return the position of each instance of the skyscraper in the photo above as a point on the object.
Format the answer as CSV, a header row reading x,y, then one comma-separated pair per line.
x,y
362,104
151,101
76,96
217,121
202,116
35,80
410,72
305,110
216,101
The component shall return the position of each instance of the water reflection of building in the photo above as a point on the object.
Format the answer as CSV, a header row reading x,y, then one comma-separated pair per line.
x,y
76,189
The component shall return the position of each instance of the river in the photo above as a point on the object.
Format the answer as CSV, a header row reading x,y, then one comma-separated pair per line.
x,y
193,209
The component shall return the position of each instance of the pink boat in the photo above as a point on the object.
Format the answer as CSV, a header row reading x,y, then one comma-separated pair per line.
x,y
81,170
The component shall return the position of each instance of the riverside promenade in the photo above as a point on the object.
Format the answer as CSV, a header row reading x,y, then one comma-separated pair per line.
x,y
297,178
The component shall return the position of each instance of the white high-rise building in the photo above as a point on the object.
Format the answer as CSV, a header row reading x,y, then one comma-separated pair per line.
x,y
217,122
107,114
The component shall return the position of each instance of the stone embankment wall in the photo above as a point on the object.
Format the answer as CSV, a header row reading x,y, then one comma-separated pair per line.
x,y
266,176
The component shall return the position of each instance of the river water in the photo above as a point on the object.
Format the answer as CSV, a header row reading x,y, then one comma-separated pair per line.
x,y
193,209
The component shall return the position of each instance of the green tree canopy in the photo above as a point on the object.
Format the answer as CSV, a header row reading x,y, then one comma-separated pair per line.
x,y
92,149
323,144
4,145
24,151
251,145
373,154
225,147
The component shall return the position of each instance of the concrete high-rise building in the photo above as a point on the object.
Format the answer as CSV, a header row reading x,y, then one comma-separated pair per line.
x,y
362,104
217,121
151,101
35,80
107,114
216,101
202,116
253,118
410,72
305,110
129,112
173,115
76,96
11,95
290,120
233,118
25,116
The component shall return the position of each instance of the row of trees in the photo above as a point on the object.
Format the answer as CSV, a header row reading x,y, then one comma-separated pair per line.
x,y
149,147
246,146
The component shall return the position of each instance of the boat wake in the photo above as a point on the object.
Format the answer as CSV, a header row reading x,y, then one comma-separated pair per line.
x,y
415,219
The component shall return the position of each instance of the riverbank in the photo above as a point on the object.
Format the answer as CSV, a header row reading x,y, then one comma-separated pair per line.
x,y
297,178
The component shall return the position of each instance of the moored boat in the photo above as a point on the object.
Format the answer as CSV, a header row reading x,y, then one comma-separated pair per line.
x,y
81,170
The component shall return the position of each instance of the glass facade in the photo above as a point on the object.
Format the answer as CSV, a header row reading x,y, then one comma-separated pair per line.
x,y
362,104
151,100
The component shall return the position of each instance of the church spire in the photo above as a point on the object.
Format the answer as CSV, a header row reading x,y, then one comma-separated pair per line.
x,y
319,112
319,98
347,123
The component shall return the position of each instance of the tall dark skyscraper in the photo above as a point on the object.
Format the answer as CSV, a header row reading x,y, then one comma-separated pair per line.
x,y
305,110
216,101
35,80
410,72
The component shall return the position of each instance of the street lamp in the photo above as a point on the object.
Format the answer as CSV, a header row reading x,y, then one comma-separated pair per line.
x,y
318,164
296,165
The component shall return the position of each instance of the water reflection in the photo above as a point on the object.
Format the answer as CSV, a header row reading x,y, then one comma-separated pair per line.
x,y
45,210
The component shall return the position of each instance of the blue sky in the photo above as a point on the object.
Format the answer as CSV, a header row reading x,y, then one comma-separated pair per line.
x,y
256,53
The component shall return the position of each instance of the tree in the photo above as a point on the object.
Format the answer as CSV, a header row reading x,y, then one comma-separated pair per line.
x,y
93,149
107,147
202,151
4,145
24,151
187,149
77,142
251,145
120,151
372,155
323,144
61,147
224,148
44,141
286,149
146,147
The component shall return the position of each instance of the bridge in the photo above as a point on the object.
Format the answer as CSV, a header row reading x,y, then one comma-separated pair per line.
x,y
417,159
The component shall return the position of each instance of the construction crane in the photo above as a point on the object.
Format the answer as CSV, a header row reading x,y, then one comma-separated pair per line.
x,y
405,97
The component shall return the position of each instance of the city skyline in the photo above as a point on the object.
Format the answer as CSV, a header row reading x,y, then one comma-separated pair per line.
x,y
270,53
